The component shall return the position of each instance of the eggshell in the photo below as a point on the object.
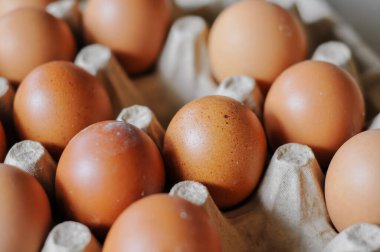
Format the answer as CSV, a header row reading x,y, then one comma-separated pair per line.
x,y
29,38
25,215
135,30
165,223
3,143
219,142
352,182
10,5
105,168
56,101
316,104
255,38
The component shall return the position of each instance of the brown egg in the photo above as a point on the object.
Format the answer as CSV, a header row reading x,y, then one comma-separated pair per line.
x,y
219,142
3,143
9,5
316,104
255,38
29,38
105,168
165,223
57,100
352,182
135,30
25,215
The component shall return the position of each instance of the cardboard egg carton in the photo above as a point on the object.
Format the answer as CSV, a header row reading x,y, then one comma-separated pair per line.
x,y
287,211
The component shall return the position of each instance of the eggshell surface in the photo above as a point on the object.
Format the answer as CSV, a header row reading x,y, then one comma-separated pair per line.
x,y
352,182
25,215
56,101
104,169
31,37
316,104
10,5
255,38
135,30
164,223
219,142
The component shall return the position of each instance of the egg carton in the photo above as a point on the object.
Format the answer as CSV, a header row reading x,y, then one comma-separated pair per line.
x,y
287,211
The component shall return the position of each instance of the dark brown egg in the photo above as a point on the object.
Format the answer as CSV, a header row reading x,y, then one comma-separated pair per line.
x,y
56,101
219,142
163,223
104,169
25,215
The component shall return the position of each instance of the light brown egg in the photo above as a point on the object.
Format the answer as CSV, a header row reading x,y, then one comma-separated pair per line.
x,y
104,169
3,143
29,38
352,182
316,104
25,215
163,223
219,142
10,5
255,38
135,30
57,100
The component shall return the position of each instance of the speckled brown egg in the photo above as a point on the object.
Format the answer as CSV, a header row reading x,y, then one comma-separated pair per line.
x,y
25,215
135,30
316,104
57,100
9,5
219,142
104,169
255,38
165,223
31,37
352,182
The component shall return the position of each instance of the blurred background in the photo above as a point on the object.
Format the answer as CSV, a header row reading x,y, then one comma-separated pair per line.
x,y
364,16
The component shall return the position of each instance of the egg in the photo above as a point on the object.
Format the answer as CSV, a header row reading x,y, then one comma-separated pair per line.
x,y
219,142
135,30
57,100
9,5
104,169
29,38
316,104
255,38
25,214
3,143
352,182
165,223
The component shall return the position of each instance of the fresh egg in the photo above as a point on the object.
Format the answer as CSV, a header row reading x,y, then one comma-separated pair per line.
x,y
3,143
29,38
352,182
316,104
25,214
9,5
104,169
135,29
163,223
57,100
255,38
219,142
